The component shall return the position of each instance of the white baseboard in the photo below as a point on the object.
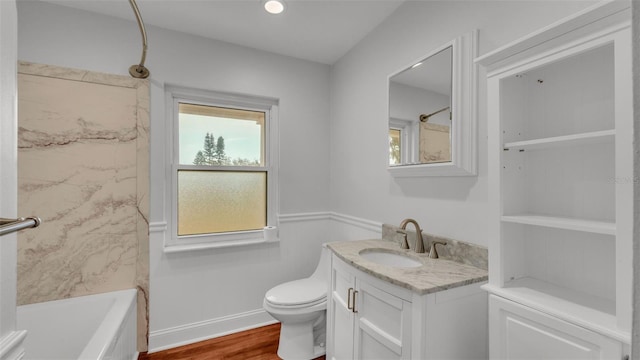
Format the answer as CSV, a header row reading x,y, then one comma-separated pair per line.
x,y
203,330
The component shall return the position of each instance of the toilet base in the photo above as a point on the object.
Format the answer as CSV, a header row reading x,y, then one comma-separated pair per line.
x,y
302,340
296,342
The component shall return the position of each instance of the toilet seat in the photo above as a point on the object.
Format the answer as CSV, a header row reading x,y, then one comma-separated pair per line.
x,y
297,293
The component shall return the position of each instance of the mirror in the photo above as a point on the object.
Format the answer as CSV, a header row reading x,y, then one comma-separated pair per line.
x,y
432,114
420,111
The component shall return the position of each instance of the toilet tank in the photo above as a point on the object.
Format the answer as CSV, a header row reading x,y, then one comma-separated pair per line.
x,y
322,269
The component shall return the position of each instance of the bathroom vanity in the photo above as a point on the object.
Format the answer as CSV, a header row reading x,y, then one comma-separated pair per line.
x,y
403,305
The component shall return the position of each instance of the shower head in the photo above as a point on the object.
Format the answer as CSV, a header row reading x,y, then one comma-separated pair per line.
x,y
139,71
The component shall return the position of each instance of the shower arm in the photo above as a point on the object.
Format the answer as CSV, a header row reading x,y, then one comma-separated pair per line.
x,y
139,71
425,117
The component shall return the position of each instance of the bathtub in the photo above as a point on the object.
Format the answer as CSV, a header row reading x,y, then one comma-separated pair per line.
x,y
90,327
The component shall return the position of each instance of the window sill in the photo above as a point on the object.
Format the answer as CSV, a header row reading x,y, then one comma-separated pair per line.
x,y
169,249
252,238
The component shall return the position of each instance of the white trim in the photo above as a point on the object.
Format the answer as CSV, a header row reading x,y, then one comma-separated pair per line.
x,y
409,142
356,221
241,241
157,227
300,217
203,330
330,215
464,104
173,95
11,345
582,18
161,227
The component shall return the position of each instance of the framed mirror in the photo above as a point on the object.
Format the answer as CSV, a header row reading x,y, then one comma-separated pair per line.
x,y
432,113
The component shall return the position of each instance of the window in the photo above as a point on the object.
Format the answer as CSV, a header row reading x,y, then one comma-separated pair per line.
x,y
395,147
223,168
402,141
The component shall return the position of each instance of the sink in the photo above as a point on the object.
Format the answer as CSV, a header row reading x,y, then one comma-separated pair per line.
x,y
388,258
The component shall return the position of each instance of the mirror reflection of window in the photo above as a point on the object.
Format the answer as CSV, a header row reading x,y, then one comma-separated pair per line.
x,y
395,152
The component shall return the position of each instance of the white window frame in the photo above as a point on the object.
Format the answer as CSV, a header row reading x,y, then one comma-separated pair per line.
x,y
176,95
408,142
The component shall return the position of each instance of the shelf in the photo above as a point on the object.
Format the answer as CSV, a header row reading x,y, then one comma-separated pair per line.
x,y
576,307
591,226
595,137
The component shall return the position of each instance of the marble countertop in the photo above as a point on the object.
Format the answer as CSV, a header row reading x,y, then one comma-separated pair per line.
x,y
433,276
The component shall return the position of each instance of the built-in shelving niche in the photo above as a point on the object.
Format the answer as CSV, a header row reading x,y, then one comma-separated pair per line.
x,y
559,234
567,272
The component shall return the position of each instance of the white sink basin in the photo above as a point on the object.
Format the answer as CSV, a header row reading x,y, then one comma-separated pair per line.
x,y
385,257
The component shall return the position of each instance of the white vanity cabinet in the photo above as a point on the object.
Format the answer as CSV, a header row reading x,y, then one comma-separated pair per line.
x,y
368,318
561,189
523,333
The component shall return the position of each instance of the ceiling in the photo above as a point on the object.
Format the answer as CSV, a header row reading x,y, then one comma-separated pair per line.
x,y
316,30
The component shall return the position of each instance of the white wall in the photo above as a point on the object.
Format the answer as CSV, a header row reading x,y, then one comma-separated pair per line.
x,y
452,207
200,294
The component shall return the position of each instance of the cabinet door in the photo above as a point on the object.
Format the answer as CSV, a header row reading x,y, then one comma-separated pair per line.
x,y
383,324
518,332
341,318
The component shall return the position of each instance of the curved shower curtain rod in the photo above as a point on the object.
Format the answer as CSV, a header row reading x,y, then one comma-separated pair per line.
x,y
139,71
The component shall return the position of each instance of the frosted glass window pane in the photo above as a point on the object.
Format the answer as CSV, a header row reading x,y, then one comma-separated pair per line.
x,y
221,201
202,130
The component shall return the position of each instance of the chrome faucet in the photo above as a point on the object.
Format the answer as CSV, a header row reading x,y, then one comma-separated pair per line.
x,y
419,247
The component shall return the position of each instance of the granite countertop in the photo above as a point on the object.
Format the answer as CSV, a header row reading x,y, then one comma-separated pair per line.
x,y
433,276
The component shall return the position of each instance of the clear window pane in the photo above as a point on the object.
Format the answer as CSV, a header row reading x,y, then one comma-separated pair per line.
x,y
221,201
210,135
394,147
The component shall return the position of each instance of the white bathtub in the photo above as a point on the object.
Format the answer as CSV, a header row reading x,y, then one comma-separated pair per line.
x,y
91,327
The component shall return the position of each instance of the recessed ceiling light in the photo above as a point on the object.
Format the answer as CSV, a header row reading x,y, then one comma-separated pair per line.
x,y
274,6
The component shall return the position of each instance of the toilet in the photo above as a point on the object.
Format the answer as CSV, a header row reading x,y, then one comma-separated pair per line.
x,y
300,306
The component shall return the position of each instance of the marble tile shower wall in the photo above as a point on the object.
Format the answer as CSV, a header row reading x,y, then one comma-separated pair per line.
x,y
83,167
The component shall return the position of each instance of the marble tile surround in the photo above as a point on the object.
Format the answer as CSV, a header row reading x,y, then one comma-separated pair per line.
x,y
455,250
83,168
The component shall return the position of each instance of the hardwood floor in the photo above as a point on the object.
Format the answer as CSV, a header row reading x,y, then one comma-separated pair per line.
x,y
255,344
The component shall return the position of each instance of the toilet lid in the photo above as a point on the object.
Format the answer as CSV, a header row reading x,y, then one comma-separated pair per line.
x,y
297,292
